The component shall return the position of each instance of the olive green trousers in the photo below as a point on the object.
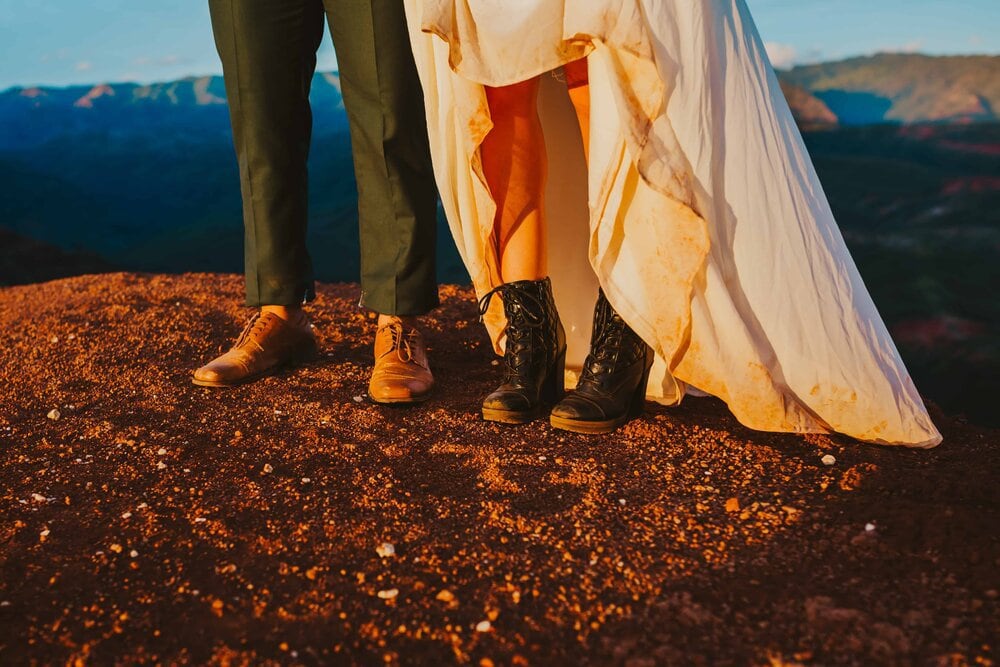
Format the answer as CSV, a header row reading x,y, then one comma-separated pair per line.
x,y
268,52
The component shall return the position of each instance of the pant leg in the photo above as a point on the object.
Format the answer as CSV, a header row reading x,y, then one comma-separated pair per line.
x,y
268,52
397,196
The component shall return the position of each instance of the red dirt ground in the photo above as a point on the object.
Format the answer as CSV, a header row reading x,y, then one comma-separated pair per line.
x,y
157,522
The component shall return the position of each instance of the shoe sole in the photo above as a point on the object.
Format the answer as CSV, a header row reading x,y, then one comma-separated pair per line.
x,y
235,383
298,359
412,400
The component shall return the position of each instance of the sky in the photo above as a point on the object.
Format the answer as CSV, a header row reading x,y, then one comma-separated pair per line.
x,y
66,42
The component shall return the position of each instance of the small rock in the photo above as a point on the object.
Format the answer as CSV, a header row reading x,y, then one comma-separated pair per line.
x,y
359,399
126,515
44,534
869,527
268,469
38,498
200,519
483,626
306,480
161,451
444,595
71,337
133,553
828,460
160,465
5,603
733,505
386,549
142,506
117,548
388,594
54,340
622,501
54,414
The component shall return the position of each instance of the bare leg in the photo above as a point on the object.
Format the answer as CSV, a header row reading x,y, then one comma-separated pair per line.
x,y
515,165
578,83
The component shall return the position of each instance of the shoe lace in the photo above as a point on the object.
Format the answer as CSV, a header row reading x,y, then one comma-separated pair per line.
x,y
403,342
255,324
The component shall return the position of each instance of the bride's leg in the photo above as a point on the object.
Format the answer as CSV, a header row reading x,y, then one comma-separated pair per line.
x,y
578,83
515,165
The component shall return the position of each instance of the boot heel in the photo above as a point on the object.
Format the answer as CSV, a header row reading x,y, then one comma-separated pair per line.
x,y
638,403
554,385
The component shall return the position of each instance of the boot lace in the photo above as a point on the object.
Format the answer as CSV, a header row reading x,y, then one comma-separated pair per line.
x,y
522,321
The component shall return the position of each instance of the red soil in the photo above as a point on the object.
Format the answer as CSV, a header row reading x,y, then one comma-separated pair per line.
x,y
154,521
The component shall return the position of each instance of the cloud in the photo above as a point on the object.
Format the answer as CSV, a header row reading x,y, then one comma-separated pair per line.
x,y
84,66
160,61
782,56
913,46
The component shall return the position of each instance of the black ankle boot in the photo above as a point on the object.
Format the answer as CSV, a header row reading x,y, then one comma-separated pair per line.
x,y
612,387
535,355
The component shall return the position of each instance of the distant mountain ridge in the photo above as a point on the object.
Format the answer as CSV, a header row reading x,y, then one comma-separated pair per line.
x,y
904,88
885,88
193,106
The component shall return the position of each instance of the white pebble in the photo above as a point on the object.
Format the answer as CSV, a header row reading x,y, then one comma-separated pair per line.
x,y
495,362
133,553
200,519
142,506
161,451
54,339
306,480
385,550
543,457
5,603
54,414
869,527
828,460
388,594
71,336
126,515
160,465
38,498
483,626
359,399
621,501
268,468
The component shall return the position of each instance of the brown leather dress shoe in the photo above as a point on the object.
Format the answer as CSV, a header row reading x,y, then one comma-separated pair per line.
x,y
402,373
267,343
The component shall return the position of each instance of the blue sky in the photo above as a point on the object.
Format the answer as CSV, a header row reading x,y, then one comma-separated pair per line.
x,y
61,42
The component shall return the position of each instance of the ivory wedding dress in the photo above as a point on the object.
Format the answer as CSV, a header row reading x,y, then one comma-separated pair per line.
x,y
700,212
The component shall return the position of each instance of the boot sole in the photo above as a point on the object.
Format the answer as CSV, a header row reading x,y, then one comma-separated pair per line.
x,y
509,416
588,427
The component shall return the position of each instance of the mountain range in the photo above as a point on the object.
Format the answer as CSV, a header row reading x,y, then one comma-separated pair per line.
x,y
895,88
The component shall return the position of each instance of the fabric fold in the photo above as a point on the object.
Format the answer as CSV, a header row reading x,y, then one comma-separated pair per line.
x,y
703,219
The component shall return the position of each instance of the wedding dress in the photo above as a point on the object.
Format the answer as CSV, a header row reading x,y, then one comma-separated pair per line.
x,y
700,213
